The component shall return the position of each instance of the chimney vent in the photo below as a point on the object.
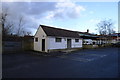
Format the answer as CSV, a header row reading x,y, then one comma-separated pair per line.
x,y
87,30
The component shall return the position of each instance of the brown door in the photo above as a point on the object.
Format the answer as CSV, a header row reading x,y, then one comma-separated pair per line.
x,y
43,44
68,43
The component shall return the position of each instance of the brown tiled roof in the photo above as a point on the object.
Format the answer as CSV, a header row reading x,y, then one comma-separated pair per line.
x,y
57,32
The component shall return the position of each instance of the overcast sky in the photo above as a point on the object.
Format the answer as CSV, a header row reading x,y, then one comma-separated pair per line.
x,y
78,16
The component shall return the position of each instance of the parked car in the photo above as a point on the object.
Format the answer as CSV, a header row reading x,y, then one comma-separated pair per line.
x,y
116,44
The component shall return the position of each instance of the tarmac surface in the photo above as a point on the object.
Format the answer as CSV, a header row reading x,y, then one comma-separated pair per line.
x,y
85,63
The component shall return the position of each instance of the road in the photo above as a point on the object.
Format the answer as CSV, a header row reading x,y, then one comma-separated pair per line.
x,y
87,63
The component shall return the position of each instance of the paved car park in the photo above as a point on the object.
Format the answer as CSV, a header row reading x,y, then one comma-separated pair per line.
x,y
86,63
83,57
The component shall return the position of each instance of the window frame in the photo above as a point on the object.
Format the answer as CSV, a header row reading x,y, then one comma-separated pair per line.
x,y
76,40
58,39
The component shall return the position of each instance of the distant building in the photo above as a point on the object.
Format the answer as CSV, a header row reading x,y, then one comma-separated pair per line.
x,y
115,37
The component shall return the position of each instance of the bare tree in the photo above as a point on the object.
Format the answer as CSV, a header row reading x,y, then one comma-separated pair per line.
x,y
16,26
6,24
105,27
29,33
26,33
20,28
8,28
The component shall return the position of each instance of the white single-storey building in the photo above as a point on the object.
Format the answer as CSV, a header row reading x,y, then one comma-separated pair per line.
x,y
49,39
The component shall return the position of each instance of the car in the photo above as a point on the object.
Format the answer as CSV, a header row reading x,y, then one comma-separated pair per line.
x,y
116,44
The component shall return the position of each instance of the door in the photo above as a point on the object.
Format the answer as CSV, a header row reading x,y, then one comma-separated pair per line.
x,y
43,44
68,43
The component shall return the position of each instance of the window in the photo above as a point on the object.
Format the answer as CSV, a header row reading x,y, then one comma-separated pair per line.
x,y
58,39
76,40
36,39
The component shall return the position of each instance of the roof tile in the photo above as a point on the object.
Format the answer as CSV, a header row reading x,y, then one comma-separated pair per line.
x,y
51,31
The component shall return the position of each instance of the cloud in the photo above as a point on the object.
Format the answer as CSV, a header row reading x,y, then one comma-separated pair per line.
x,y
47,10
36,13
59,0
66,10
32,11
30,8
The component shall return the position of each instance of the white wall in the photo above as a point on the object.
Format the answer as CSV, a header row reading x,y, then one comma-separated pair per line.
x,y
63,44
41,35
76,44
56,45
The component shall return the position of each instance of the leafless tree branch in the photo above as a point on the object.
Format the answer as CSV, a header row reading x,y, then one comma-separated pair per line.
x,y
105,27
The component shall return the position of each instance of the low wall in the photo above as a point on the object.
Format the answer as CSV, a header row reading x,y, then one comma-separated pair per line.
x,y
10,46
14,46
105,45
27,45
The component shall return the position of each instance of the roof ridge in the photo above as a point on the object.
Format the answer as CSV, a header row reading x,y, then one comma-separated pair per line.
x,y
52,31
58,28
66,30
